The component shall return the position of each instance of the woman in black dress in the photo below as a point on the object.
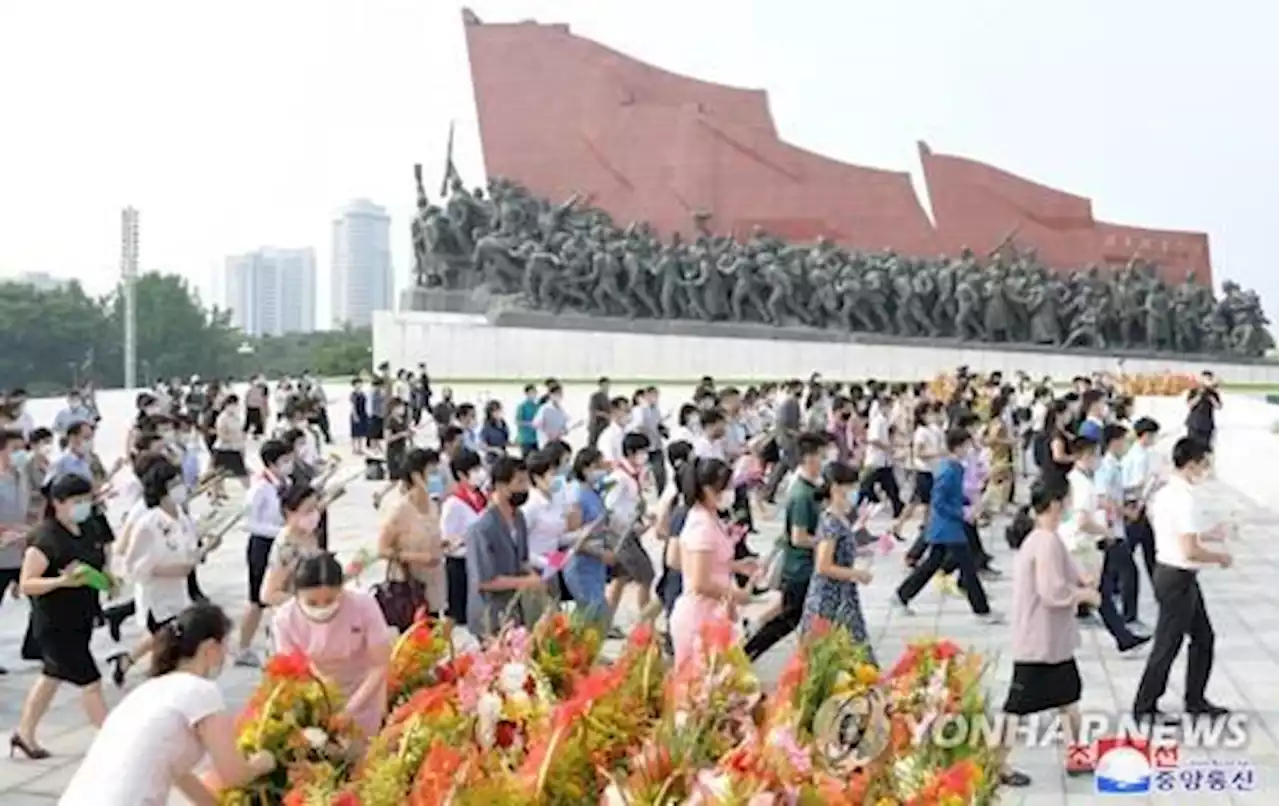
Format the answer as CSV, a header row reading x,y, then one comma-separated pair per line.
x,y
1054,449
61,555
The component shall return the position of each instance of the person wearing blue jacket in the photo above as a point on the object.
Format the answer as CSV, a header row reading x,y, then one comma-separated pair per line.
x,y
945,533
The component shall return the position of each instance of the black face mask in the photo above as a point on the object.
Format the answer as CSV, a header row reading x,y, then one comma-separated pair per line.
x,y
518,497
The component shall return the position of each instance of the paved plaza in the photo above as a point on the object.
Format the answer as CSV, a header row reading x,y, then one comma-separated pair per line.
x,y
1242,603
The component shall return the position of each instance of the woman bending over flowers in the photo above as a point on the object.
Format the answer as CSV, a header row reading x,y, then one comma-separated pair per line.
x,y
344,634
152,741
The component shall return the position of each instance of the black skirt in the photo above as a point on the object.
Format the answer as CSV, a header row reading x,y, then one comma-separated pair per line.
x,y
231,463
1037,687
65,656
922,493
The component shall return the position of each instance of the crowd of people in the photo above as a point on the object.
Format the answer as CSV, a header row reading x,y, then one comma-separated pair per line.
x,y
490,524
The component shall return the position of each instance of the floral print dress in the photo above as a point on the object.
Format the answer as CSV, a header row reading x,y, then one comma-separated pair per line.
x,y
835,600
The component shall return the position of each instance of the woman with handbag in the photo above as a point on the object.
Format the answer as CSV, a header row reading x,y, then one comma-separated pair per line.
x,y
409,540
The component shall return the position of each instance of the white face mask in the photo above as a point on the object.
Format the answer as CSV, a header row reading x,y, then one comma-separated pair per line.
x,y
178,495
320,614
476,478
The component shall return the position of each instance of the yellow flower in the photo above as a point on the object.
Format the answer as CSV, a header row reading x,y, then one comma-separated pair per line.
x,y
519,705
867,674
844,682
886,802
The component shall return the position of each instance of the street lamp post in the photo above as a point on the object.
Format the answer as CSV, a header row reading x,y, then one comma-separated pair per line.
x,y
128,279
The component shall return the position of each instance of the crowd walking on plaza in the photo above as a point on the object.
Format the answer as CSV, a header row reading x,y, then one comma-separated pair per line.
x,y
489,523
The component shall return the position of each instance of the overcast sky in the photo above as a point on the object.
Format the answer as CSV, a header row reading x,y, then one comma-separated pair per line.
x,y
245,123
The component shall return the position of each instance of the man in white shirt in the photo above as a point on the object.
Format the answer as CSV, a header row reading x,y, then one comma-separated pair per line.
x,y
708,443
263,521
878,461
1138,474
1088,535
609,442
1180,534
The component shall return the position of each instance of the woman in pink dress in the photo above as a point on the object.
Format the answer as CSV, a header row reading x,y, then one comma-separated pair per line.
x,y
706,556
344,635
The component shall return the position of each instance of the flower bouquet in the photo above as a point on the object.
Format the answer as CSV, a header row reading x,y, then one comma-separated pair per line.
x,y
564,648
415,658
297,717
935,683
828,667
410,752
711,706
610,713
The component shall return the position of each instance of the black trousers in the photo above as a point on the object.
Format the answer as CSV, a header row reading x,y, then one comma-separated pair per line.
x,y
883,478
949,566
1182,614
658,468
321,420
1138,534
781,625
938,556
1119,568
1115,573
787,461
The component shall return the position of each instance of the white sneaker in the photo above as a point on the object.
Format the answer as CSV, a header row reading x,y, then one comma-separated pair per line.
x,y
900,607
991,618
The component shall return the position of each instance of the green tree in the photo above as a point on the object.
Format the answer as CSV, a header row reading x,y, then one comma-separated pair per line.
x,y
49,339
177,335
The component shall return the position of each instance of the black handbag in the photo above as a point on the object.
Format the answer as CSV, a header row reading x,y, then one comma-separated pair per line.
x,y
400,599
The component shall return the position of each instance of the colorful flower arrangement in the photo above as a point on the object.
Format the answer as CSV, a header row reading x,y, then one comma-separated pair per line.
x,y
297,717
1158,384
489,727
416,657
565,647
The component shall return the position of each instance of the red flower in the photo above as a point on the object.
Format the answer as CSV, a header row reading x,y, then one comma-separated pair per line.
x,y
906,663
289,666
945,650
717,634
504,734
819,628
295,797
641,635
530,687
346,799
793,674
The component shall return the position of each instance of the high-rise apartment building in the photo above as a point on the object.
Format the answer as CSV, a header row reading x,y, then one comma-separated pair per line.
x,y
272,291
362,278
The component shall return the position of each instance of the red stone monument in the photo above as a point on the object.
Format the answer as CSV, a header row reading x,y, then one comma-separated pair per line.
x,y
562,115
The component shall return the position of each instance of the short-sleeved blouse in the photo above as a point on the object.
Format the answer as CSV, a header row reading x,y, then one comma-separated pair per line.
x,y
704,531
589,502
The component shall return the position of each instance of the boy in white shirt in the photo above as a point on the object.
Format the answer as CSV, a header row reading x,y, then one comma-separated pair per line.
x,y
609,443
1086,533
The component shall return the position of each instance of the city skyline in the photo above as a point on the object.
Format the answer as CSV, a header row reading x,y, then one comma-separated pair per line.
x,y
361,276
1127,104
271,291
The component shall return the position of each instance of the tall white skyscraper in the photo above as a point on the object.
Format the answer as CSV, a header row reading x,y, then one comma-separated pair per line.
x,y
362,277
272,291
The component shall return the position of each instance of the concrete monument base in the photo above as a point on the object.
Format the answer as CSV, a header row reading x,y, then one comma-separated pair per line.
x,y
508,345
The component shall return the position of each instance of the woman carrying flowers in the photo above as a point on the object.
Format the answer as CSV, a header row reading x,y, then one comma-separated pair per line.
x,y
344,634
706,556
833,591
